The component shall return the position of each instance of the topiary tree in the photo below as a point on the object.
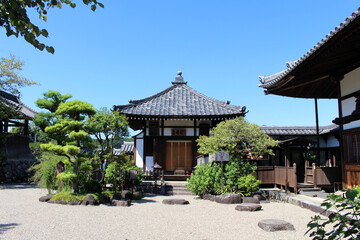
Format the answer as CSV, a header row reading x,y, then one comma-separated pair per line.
x,y
71,116
239,138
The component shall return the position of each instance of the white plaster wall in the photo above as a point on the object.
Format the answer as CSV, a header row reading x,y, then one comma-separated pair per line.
x,y
140,153
149,161
190,132
351,82
167,131
348,106
332,142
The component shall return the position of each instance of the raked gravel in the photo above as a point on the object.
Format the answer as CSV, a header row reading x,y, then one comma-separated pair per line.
x,y
22,216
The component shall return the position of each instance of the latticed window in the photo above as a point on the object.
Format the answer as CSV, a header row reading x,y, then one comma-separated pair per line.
x,y
352,147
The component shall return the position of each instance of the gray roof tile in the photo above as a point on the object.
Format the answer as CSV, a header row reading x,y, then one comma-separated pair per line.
x,y
297,130
13,101
179,100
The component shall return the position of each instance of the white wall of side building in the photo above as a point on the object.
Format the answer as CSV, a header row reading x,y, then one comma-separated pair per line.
x,y
139,157
350,84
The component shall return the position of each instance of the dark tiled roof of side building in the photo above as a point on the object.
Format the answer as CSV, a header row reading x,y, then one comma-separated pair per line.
x,y
13,101
268,81
297,130
180,100
127,147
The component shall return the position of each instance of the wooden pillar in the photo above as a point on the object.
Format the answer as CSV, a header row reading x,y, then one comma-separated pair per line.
x,y
314,175
6,126
341,130
194,127
26,127
286,169
317,134
295,179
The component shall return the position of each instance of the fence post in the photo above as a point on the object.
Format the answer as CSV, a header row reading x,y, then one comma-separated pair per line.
x,y
295,178
314,175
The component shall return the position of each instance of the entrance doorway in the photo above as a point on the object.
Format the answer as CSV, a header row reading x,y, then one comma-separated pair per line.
x,y
178,154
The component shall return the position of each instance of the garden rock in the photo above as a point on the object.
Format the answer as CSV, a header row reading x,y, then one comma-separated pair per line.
x,y
175,201
89,200
249,207
207,196
62,202
272,225
250,200
259,197
137,195
74,202
46,198
121,203
50,201
228,198
116,196
126,194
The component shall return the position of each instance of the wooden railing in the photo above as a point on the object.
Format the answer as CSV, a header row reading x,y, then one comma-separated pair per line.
x,y
286,177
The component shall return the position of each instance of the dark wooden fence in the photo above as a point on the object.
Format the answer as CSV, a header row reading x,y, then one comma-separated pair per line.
x,y
286,177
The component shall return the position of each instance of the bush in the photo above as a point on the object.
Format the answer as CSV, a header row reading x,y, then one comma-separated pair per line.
x,y
91,186
342,224
207,179
44,171
237,178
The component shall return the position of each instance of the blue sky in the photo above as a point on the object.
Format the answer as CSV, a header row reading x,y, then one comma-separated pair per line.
x,y
133,49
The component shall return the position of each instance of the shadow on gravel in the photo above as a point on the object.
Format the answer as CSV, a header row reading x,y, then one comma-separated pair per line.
x,y
144,201
18,186
8,226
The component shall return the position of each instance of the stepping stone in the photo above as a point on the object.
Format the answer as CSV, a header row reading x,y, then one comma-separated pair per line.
x,y
228,198
46,198
272,225
249,207
121,203
175,201
259,197
250,200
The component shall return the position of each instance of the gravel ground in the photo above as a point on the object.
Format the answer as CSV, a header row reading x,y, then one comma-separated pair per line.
x,y
22,216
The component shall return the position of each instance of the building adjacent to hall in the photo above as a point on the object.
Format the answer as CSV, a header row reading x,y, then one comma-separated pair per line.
x,y
331,69
170,122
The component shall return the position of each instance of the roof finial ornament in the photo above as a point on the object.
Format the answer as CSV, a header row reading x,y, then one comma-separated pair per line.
x,y
179,79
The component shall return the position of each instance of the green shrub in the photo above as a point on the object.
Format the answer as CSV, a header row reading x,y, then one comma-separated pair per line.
x,y
91,186
137,195
239,178
344,223
236,178
68,196
207,179
67,179
44,171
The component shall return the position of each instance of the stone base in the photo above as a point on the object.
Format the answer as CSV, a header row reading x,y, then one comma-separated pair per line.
x,y
175,201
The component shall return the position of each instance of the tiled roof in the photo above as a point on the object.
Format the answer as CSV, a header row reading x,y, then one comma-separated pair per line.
x,y
295,130
127,147
268,81
180,100
13,101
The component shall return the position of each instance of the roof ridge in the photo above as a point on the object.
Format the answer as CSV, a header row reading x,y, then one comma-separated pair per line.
x,y
293,64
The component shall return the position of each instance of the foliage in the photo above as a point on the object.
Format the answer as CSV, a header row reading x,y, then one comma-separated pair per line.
x,y
207,179
91,185
344,223
67,179
71,126
236,178
237,137
107,127
239,178
15,19
115,168
10,79
45,170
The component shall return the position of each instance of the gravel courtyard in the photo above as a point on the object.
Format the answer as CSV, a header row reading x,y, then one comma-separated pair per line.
x,y
22,216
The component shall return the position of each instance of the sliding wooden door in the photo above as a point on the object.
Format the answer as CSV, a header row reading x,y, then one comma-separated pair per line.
x,y
178,154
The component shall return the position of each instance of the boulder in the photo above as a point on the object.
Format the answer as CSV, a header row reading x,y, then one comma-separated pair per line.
x,y
62,202
250,200
126,194
74,202
228,198
175,201
259,197
249,207
50,201
89,200
207,196
116,196
121,203
46,198
272,225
